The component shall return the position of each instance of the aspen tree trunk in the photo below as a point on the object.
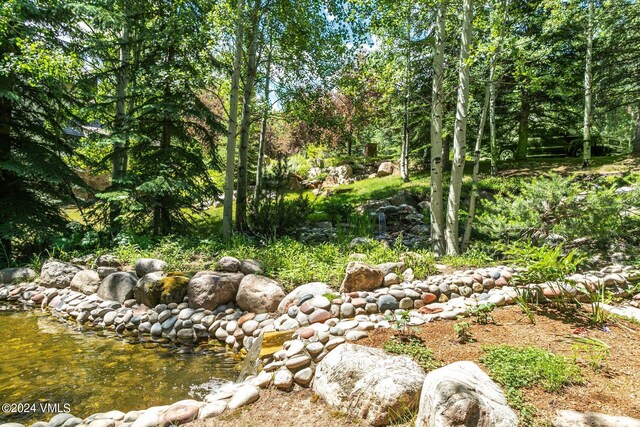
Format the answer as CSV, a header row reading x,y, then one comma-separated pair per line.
x,y
120,155
252,69
437,214
404,154
489,104
476,169
586,146
227,215
460,132
523,127
263,135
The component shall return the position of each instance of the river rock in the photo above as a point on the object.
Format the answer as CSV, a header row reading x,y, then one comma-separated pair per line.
x,y
243,396
86,282
150,417
361,277
117,287
179,414
210,289
368,383
15,275
59,419
102,423
145,266
212,409
461,394
259,294
592,419
283,379
309,290
57,274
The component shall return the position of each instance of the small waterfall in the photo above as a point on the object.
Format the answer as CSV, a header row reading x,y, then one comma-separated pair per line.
x,y
251,361
382,223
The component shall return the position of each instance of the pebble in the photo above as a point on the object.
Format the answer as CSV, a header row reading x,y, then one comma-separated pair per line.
x,y
298,362
354,336
283,379
303,377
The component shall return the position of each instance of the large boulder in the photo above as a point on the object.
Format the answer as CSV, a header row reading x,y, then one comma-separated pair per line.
x,y
117,287
210,289
145,266
460,394
259,294
592,419
14,275
385,169
228,264
344,172
57,274
368,383
361,277
86,281
251,266
157,288
314,289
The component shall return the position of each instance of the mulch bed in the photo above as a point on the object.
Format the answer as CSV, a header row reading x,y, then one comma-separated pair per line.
x,y
614,389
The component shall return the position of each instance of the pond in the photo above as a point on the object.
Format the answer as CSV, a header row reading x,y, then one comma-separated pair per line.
x,y
45,362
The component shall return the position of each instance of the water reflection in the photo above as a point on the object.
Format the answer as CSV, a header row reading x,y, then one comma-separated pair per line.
x,y
42,360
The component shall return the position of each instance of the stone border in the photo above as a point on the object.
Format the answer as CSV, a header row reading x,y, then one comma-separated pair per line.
x,y
317,325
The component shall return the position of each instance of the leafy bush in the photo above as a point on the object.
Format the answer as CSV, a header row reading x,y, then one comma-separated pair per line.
x,y
414,348
543,263
337,210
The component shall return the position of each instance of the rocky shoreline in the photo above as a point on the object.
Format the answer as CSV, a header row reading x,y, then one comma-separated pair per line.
x,y
312,321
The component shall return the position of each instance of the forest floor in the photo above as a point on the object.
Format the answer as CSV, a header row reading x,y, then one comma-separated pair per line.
x,y
610,385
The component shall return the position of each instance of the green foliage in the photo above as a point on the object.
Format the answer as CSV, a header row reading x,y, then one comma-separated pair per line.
x,y
594,351
277,215
543,263
414,348
562,206
482,312
517,367
463,333
400,321
337,210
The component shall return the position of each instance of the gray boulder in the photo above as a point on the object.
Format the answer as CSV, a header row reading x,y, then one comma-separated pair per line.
x,y
105,271
86,281
14,275
57,274
368,383
314,288
145,266
117,287
210,289
361,277
592,419
251,266
461,394
107,260
228,264
259,294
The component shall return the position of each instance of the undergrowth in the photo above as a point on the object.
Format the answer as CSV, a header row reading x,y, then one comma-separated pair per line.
x,y
515,368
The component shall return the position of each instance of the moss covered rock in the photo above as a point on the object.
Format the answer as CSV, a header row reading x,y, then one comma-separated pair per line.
x,y
157,288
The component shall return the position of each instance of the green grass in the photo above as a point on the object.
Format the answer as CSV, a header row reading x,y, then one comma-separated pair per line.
x,y
518,367
291,262
414,348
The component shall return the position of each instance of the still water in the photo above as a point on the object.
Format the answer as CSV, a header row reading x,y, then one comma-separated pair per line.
x,y
43,361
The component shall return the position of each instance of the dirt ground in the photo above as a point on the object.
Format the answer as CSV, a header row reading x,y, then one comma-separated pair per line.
x,y
614,389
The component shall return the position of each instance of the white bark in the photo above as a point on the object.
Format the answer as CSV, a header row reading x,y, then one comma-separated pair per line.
x,y
586,147
227,219
437,216
460,132
404,152
263,134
